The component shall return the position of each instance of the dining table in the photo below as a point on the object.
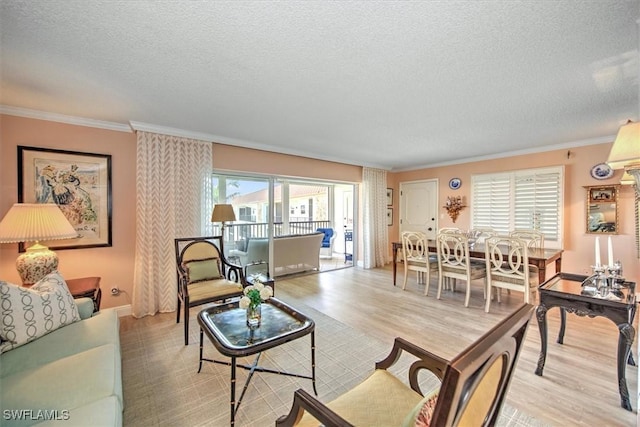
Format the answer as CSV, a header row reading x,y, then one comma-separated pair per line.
x,y
540,258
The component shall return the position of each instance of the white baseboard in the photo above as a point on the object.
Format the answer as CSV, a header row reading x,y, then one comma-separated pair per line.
x,y
123,310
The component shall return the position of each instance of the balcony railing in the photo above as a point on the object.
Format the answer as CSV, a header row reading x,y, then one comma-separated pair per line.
x,y
260,229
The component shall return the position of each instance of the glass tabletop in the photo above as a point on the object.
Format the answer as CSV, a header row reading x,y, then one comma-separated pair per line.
x,y
226,326
579,285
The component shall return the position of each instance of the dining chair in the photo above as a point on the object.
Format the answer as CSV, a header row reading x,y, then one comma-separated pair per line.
x,y
508,268
454,262
449,230
415,253
534,238
481,234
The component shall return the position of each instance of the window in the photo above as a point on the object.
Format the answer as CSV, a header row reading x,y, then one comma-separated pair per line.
x,y
526,199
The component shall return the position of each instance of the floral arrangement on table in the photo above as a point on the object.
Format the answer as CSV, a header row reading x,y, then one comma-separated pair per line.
x,y
255,294
253,297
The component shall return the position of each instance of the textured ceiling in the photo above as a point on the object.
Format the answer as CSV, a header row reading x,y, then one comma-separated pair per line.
x,y
397,85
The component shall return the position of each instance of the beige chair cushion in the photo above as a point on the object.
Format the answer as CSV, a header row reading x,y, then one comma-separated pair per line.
x,y
208,289
478,270
510,278
381,400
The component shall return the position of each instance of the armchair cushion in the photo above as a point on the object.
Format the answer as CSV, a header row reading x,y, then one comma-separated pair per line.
x,y
29,313
382,399
203,269
207,290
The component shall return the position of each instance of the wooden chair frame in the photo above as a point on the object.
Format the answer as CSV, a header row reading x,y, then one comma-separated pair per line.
x,y
534,238
454,262
229,272
415,255
460,377
513,274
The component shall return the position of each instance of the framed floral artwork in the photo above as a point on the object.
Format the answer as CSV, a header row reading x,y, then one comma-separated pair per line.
x,y
389,196
79,183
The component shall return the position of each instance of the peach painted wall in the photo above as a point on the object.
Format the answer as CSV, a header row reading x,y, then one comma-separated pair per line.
x,y
578,246
237,159
114,264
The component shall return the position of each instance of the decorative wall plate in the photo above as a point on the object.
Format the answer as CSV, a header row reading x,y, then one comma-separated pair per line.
x,y
455,183
601,171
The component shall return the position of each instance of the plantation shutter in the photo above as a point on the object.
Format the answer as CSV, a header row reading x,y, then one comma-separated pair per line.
x,y
527,199
537,198
491,202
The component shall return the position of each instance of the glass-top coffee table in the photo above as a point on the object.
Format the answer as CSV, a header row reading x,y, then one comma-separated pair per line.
x,y
225,325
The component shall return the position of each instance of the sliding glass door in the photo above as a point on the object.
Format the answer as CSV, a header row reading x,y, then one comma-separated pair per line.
x,y
268,207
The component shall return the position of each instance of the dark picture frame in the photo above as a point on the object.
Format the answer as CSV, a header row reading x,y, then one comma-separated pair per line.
x,y
389,196
79,183
389,217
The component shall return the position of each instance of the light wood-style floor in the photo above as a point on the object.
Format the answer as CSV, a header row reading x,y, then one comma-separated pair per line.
x,y
579,386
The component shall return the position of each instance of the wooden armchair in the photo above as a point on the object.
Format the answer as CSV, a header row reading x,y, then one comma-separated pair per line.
x,y
204,275
473,388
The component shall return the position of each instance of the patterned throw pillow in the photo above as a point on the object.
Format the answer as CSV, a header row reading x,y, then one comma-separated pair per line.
x,y
203,269
421,414
29,313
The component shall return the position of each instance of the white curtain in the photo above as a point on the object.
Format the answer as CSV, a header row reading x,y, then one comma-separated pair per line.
x,y
375,230
174,199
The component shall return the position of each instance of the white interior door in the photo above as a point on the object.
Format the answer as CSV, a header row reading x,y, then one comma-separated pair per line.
x,y
418,207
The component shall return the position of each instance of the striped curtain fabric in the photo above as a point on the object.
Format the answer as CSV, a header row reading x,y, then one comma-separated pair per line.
x,y
174,199
375,229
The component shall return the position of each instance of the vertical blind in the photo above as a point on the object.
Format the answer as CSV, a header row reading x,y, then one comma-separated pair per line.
x,y
525,199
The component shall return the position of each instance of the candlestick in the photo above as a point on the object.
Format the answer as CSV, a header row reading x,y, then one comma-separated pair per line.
x,y
597,251
610,252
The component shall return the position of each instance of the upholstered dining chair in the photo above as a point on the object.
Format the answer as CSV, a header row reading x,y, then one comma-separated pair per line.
x,y
415,253
471,393
454,262
204,275
508,268
534,238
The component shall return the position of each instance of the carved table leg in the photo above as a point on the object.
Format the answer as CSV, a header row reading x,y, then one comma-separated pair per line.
x,y
625,340
563,322
395,266
541,315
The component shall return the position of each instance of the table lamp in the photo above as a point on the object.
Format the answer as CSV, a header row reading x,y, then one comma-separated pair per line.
x,y
223,213
625,152
32,222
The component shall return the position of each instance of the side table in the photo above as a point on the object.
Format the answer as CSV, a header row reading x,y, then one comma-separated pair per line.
x,y
88,287
565,291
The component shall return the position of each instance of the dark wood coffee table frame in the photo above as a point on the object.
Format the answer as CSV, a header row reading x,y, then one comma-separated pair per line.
x,y
564,291
225,326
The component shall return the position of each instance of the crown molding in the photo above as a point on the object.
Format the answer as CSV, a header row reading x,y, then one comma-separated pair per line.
x,y
547,148
61,118
147,127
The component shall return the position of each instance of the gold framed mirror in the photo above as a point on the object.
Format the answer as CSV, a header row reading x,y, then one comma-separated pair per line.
x,y
602,209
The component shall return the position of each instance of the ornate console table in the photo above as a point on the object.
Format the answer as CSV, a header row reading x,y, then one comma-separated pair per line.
x,y
565,291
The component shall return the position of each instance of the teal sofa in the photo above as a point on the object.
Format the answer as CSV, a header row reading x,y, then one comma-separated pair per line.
x,y
71,376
